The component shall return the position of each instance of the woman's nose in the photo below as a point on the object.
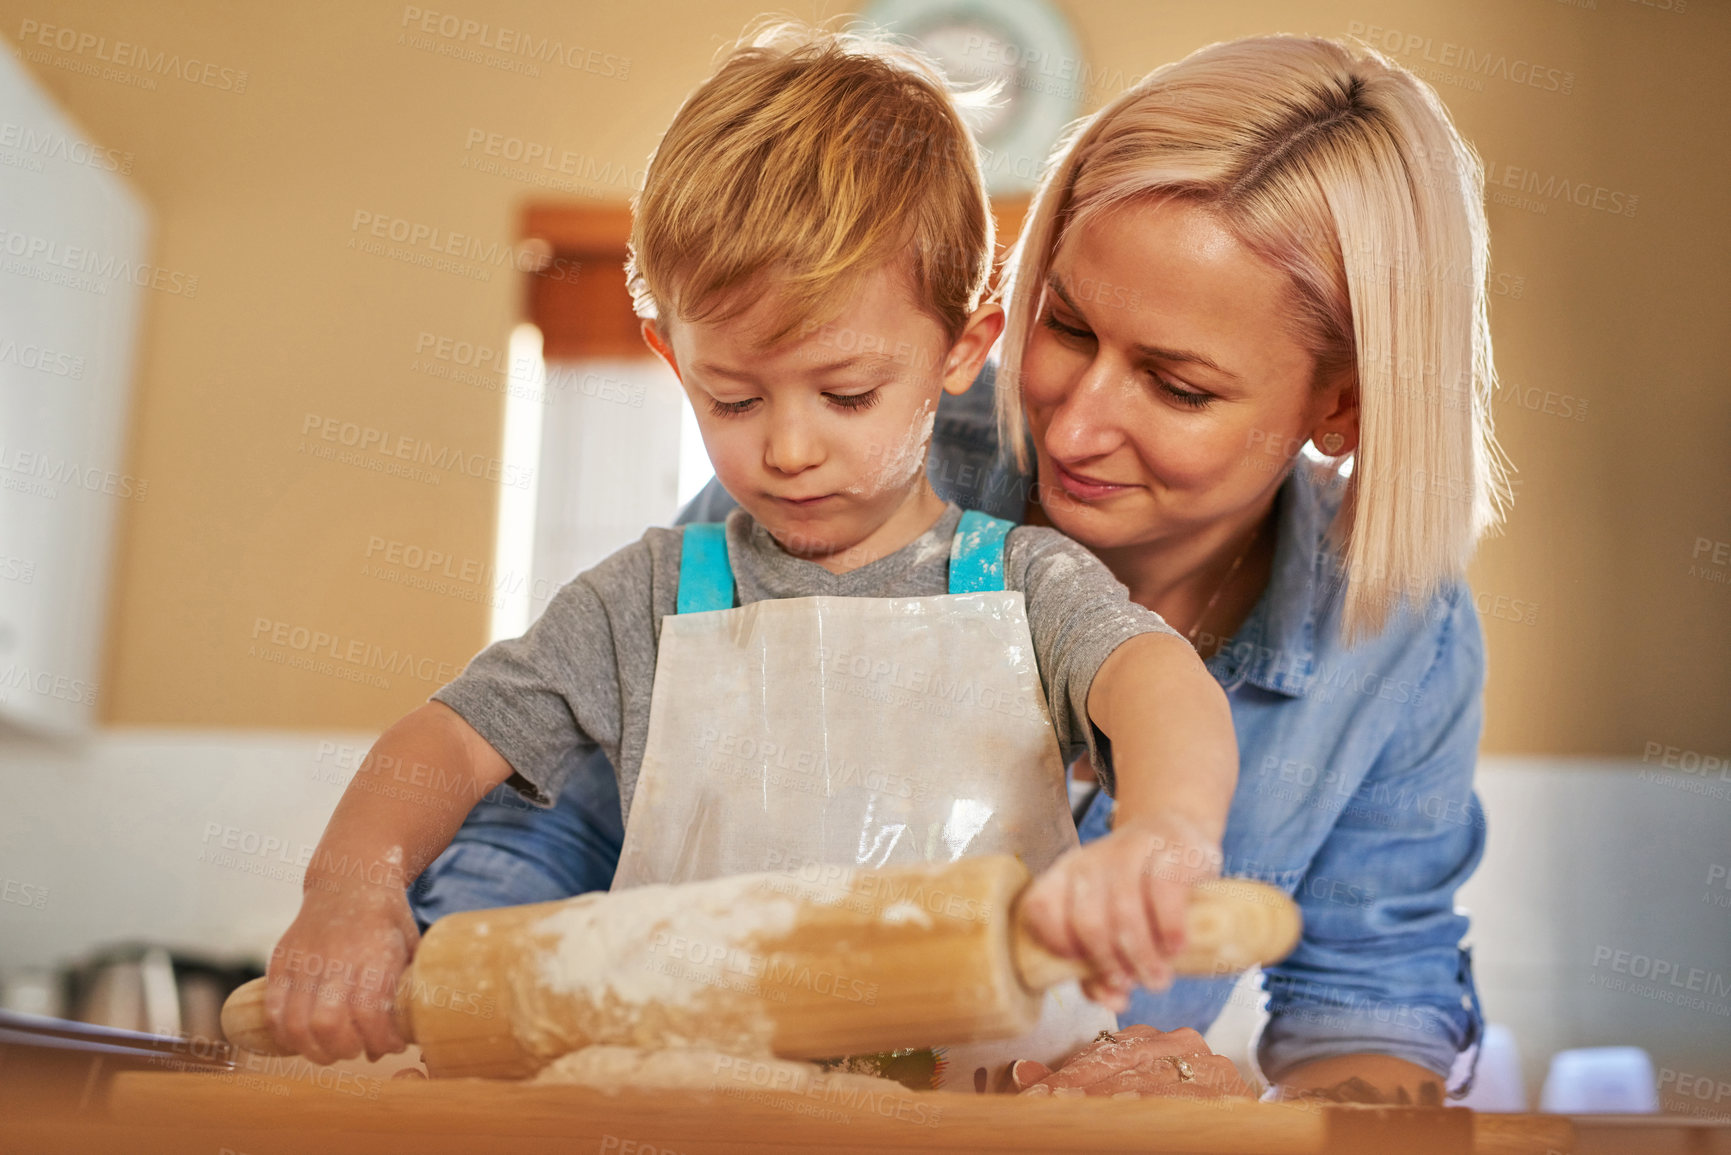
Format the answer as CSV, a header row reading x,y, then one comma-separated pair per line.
x,y
1088,419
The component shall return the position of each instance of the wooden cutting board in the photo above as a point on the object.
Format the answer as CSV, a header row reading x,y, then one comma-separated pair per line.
x,y
297,1109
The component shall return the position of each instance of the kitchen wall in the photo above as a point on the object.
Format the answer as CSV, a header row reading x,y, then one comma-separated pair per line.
x,y
269,161
192,839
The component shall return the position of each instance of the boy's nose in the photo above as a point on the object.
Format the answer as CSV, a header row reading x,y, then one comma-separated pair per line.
x,y
793,447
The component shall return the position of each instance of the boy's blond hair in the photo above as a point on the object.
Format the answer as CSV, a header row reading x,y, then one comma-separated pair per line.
x,y
811,157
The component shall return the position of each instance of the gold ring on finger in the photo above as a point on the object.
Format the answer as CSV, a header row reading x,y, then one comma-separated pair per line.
x,y
1182,1066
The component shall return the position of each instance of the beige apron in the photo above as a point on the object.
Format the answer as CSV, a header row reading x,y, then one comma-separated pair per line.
x,y
796,733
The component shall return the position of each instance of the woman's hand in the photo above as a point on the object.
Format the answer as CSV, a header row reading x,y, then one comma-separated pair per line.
x,y
1135,1062
333,977
1118,903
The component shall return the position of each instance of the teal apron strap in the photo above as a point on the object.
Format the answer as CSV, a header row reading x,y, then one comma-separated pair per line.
x,y
705,577
977,554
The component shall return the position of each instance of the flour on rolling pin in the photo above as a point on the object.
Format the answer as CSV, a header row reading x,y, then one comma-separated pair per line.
x,y
658,966
905,912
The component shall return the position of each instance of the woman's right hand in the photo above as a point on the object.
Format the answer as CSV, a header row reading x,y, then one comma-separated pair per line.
x,y
333,976
1137,1062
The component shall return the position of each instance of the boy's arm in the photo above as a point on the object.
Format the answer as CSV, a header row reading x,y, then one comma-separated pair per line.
x,y
1170,758
522,705
1173,747
334,973
1119,901
1176,759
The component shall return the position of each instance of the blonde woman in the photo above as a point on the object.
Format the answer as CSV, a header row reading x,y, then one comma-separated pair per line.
x,y
1247,364
1277,245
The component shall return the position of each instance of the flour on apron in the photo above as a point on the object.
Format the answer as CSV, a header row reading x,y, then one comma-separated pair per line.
x,y
856,732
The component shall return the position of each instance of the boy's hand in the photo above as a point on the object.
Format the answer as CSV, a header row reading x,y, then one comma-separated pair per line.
x,y
1118,903
333,977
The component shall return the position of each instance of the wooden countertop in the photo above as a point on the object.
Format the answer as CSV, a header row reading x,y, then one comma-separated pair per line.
x,y
305,1109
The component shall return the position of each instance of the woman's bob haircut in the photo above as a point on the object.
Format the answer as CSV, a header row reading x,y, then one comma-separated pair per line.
x,y
1343,170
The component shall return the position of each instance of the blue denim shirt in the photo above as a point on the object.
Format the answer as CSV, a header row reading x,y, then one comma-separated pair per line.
x,y
1354,795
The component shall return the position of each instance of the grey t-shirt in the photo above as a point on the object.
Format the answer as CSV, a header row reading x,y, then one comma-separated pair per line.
x,y
581,676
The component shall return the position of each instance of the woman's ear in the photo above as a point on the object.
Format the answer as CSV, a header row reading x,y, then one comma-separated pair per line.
x,y
962,363
661,346
1335,430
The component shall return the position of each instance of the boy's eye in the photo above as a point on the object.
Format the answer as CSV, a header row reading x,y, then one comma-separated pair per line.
x,y
854,400
730,408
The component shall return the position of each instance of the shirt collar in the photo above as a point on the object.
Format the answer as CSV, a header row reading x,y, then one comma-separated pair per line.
x,y
1275,648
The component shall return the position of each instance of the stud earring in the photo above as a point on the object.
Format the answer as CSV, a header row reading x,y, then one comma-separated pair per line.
x,y
1331,443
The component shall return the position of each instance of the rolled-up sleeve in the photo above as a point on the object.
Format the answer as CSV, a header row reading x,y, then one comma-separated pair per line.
x,y
1380,969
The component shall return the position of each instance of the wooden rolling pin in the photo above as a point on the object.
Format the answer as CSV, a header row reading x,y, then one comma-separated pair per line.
x,y
864,961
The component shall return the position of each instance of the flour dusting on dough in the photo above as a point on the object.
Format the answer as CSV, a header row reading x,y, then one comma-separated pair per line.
x,y
696,1069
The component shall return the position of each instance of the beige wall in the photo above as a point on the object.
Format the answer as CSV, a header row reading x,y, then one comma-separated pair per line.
x,y
1602,640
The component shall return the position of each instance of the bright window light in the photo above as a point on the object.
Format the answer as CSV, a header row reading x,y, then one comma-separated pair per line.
x,y
514,552
694,468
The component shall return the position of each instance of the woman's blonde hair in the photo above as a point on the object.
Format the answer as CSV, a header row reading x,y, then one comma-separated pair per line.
x,y
811,156
1343,170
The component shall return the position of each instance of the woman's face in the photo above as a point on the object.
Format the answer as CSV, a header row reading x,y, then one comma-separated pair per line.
x,y
1163,386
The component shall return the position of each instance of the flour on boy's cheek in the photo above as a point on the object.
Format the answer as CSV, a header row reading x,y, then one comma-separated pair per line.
x,y
893,466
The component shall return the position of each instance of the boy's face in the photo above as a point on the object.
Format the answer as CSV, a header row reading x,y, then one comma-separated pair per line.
x,y
822,438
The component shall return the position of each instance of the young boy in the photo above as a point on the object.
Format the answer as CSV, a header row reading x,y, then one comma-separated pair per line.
x,y
809,254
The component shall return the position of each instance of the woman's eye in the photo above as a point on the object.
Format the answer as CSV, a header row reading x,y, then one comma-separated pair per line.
x,y
854,400
1188,397
730,408
1050,320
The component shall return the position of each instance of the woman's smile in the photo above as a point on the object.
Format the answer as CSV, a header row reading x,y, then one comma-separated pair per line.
x,y
1085,487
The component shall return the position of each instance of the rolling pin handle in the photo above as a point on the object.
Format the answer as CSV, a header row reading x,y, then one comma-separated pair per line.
x,y
1038,967
244,1021
246,1025
1231,924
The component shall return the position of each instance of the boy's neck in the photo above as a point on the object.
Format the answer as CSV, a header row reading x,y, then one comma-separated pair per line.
x,y
919,509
